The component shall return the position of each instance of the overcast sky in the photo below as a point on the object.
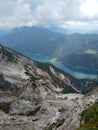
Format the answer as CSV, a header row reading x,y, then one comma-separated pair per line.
x,y
71,14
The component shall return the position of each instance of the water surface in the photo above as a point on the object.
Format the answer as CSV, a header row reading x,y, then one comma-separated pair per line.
x,y
80,73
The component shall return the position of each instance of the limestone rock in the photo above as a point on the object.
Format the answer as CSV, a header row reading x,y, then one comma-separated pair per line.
x,y
23,107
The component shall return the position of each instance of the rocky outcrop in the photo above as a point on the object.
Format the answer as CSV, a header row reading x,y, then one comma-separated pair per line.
x,y
23,107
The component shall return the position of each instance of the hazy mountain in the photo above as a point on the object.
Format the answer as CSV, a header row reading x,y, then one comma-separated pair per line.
x,y
43,41
33,40
4,31
82,60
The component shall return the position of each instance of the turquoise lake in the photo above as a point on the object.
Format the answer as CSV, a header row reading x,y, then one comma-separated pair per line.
x,y
80,73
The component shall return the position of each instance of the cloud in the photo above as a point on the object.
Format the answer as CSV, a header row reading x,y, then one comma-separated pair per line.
x,y
22,11
16,13
49,10
58,13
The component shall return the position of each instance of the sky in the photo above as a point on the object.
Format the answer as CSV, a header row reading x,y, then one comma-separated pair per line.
x,y
77,15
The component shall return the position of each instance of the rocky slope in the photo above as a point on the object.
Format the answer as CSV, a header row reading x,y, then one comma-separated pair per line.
x,y
31,95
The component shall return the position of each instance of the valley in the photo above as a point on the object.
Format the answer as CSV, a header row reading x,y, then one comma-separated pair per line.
x,y
80,73
49,65
37,95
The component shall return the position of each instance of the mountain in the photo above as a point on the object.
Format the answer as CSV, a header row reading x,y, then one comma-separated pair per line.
x,y
33,71
71,85
33,40
35,95
44,41
4,31
82,60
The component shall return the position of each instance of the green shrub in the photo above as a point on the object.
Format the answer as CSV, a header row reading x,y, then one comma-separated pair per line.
x,y
34,86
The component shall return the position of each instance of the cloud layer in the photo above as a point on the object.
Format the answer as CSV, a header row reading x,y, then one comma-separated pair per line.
x,y
58,13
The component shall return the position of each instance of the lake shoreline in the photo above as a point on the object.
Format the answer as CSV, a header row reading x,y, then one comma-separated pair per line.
x,y
77,72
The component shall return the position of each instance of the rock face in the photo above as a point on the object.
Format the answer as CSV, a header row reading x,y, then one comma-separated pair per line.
x,y
5,104
31,96
23,107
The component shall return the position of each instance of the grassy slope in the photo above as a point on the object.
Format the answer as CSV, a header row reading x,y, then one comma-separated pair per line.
x,y
53,60
90,117
90,51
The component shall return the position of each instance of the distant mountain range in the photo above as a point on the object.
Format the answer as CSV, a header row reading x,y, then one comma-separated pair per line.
x,y
68,48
